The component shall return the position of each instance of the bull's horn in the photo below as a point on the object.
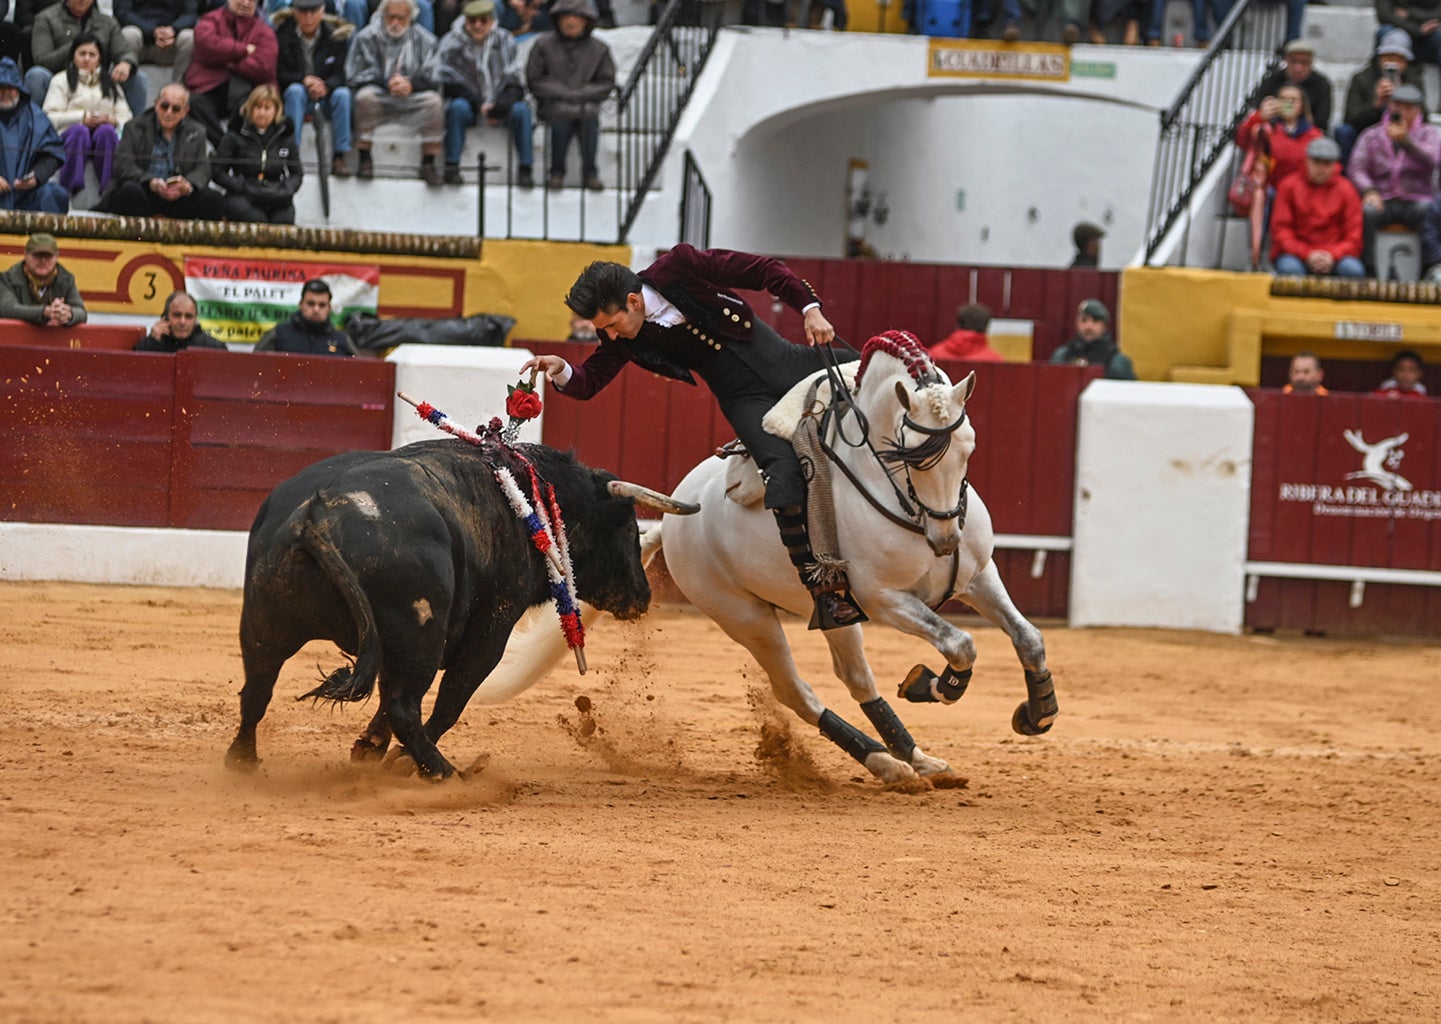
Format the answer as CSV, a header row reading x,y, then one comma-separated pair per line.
x,y
652,499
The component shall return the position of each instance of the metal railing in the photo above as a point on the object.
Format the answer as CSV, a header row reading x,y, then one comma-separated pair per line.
x,y
654,97
1197,129
694,206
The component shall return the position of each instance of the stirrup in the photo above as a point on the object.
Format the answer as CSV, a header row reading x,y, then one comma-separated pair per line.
x,y
836,609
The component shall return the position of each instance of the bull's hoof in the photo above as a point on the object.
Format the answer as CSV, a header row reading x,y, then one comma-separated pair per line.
x,y
1021,721
368,748
398,762
241,759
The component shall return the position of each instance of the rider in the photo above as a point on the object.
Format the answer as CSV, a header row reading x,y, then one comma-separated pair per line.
x,y
679,315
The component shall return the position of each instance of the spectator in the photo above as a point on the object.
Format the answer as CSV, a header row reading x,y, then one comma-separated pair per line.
x,y
1394,167
569,72
1087,238
1297,69
1305,375
160,32
55,30
354,13
1206,17
1316,223
968,341
522,18
478,66
88,109
30,150
1279,132
1407,370
581,329
984,15
309,330
161,166
177,328
1369,93
1093,345
38,289
389,70
234,52
1431,242
25,13
1419,19
311,70
258,162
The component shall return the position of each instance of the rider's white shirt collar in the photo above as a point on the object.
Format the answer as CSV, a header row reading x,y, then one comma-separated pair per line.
x,y
658,309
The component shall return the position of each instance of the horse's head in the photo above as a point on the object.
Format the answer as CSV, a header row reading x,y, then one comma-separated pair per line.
x,y
921,432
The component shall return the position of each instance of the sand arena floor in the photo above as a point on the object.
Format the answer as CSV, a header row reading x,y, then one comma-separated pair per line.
x,y
1218,829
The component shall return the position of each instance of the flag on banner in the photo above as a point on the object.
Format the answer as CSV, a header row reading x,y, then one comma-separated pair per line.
x,y
239,300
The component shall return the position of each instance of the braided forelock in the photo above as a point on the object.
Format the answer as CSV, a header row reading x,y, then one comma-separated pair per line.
x,y
905,347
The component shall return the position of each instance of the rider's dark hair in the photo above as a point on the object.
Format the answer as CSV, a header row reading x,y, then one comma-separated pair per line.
x,y
602,288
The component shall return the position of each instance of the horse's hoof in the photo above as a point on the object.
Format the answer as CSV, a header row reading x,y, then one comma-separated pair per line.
x,y
922,686
888,769
925,765
1021,722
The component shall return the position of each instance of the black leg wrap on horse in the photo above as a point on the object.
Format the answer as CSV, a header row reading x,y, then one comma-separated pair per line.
x,y
895,735
922,686
1036,715
846,736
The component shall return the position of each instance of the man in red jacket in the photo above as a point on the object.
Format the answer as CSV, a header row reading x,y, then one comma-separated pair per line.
x,y
968,340
1316,223
234,52
682,314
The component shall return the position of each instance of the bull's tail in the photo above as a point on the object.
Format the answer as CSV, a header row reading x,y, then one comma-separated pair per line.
x,y
349,682
536,644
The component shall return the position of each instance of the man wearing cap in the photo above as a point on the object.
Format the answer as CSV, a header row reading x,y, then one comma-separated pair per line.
x,y
38,289
390,69
1298,70
1394,167
478,65
1420,19
310,68
31,150
570,72
1087,238
1369,93
1316,219
1093,345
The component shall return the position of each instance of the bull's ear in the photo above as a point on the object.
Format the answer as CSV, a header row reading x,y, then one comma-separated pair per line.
x,y
651,499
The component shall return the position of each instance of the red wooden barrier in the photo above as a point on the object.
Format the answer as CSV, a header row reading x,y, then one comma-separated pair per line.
x,y
196,439
1317,500
113,337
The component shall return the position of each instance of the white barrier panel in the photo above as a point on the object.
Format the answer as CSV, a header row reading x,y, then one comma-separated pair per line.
x,y
466,383
1163,482
116,554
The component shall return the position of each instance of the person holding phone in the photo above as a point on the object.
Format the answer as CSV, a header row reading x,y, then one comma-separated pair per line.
x,y
1369,94
161,165
1394,167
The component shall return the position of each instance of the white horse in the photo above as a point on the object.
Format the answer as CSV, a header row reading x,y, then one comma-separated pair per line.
x,y
913,535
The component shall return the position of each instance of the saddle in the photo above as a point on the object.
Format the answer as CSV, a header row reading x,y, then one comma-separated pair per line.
x,y
797,417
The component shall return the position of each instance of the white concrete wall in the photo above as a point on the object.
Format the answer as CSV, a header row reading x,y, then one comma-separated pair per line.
x,y
467,384
1163,482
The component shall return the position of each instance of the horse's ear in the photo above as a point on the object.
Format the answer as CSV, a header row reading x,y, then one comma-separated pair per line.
x,y
901,395
962,391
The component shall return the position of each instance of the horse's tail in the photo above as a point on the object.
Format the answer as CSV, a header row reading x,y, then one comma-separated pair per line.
x,y
349,682
537,645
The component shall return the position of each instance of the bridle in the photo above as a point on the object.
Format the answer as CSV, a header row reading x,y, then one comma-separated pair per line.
x,y
922,456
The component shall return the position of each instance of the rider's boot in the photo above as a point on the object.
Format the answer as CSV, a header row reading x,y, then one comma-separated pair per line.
x,y
835,608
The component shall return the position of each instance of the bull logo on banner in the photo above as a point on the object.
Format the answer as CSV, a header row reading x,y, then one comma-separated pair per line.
x,y
1380,460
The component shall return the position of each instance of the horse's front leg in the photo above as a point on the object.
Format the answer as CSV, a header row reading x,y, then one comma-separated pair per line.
x,y
848,659
910,615
987,595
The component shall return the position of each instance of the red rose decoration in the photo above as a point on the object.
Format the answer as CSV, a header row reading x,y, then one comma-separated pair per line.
x,y
522,404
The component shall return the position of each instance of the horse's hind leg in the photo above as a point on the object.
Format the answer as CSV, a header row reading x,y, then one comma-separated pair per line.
x,y
987,595
759,631
848,659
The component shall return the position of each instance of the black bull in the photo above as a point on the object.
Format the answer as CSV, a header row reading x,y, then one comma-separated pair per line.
x,y
413,561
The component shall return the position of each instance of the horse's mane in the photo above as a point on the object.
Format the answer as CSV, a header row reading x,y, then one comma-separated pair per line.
x,y
904,347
